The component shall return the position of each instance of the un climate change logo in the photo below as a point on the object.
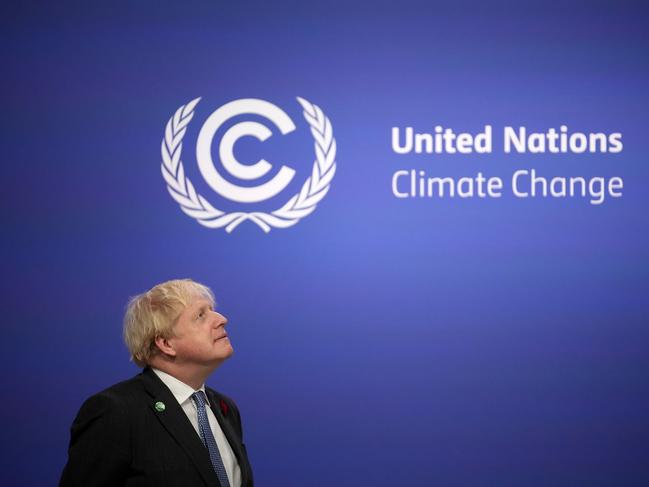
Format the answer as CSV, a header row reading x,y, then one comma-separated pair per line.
x,y
196,206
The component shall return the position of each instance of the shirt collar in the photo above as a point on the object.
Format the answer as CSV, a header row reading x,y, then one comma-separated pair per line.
x,y
181,391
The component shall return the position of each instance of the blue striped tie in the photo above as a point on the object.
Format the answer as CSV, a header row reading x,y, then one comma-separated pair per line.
x,y
208,438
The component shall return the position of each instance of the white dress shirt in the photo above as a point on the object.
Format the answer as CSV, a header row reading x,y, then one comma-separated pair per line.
x,y
182,392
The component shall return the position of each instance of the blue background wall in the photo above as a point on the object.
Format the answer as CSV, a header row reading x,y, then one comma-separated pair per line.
x,y
379,341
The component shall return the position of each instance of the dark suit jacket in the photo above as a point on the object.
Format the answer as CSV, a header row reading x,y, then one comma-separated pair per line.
x,y
119,439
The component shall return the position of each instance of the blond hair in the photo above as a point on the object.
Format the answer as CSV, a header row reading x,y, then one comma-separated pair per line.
x,y
153,314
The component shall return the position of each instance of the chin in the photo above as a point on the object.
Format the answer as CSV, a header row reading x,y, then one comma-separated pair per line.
x,y
226,351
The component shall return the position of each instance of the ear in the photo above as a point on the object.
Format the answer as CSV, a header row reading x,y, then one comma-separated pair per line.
x,y
165,346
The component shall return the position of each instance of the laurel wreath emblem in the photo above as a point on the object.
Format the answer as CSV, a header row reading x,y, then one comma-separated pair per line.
x,y
300,205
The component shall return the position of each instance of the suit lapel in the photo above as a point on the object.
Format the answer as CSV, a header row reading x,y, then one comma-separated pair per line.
x,y
175,421
228,430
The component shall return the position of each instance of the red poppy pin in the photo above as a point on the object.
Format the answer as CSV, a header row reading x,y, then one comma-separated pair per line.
x,y
224,407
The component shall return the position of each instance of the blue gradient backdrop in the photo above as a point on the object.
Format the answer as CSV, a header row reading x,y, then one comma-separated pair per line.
x,y
499,342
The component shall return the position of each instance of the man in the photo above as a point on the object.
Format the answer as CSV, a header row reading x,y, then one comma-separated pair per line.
x,y
163,427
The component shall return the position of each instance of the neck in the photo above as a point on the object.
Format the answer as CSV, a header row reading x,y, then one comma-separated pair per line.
x,y
194,376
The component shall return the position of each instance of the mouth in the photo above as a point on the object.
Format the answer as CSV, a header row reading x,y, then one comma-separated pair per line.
x,y
224,337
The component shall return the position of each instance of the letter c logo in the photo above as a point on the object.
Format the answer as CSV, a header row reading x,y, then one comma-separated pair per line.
x,y
242,171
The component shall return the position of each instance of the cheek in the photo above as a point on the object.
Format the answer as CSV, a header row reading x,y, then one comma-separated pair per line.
x,y
188,344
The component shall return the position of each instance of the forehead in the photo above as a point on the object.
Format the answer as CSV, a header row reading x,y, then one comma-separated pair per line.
x,y
198,302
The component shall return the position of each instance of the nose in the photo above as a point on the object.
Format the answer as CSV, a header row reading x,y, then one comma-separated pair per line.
x,y
219,320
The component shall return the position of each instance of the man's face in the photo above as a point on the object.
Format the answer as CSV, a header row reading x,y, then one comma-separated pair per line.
x,y
199,335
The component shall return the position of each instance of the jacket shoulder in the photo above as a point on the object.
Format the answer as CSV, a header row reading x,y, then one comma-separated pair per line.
x,y
124,387
116,398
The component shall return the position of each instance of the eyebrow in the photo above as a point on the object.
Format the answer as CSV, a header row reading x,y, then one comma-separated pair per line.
x,y
205,306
